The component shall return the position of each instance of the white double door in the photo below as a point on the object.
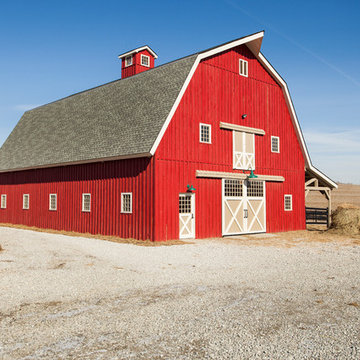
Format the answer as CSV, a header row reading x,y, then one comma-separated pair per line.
x,y
244,207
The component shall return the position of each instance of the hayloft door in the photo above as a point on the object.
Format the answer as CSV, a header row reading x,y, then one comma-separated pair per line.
x,y
187,216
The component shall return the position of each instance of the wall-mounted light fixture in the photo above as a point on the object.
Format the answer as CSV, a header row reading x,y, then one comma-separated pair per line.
x,y
190,187
243,116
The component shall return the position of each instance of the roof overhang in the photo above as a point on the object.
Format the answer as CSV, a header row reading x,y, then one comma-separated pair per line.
x,y
253,42
152,52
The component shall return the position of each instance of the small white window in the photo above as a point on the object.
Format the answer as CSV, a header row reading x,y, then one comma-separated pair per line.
x,y
86,202
275,144
243,67
26,201
145,60
3,201
128,60
288,202
126,203
53,202
205,133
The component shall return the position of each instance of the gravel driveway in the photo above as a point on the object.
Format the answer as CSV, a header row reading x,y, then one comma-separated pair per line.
x,y
67,297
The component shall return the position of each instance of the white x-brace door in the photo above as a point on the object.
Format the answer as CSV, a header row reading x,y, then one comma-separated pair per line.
x,y
187,216
243,207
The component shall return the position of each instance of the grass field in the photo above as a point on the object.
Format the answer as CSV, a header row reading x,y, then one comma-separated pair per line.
x,y
345,193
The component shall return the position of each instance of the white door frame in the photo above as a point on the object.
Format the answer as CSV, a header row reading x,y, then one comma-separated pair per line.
x,y
190,219
245,201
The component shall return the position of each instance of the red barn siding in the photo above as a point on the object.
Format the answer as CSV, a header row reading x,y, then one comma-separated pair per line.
x,y
105,181
218,93
136,66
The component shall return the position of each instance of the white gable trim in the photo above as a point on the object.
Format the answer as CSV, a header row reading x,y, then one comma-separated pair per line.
x,y
253,42
294,119
138,50
252,38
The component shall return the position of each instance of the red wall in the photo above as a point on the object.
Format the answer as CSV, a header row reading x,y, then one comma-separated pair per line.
x,y
218,93
105,181
136,66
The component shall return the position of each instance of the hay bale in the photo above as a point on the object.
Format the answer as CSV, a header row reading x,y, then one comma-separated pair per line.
x,y
346,219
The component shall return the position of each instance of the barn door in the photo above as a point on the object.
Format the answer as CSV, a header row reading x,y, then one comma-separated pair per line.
x,y
187,216
244,150
244,209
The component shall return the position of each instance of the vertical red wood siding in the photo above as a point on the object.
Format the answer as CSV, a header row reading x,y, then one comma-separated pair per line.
x,y
136,66
218,93
104,181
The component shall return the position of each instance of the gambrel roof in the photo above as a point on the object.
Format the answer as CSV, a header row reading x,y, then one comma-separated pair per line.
x,y
123,119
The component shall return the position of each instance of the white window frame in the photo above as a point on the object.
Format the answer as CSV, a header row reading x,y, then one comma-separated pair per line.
x,y
209,126
82,203
141,60
243,70
291,202
28,202
126,60
122,203
50,195
278,143
3,201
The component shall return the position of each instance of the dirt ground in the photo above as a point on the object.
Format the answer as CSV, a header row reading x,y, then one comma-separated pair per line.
x,y
270,296
345,193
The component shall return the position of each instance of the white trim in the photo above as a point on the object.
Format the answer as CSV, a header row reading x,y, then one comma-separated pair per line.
x,y
3,201
246,129
230,175
138,50
294,119
291,202
122,203
28,202
255,37
50,195
278,144
253,42
141,60
209,126
112,158
82,203
246,65
126,62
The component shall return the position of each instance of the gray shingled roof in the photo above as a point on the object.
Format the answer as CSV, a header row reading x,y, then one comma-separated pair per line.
x,y
120,118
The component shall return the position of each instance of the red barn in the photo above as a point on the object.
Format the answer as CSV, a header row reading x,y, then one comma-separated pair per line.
x,y
204,146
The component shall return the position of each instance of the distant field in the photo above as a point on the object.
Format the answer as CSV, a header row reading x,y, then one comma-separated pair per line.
x,y
346,193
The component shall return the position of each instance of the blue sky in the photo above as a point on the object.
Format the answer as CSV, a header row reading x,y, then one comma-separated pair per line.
x,y
51,49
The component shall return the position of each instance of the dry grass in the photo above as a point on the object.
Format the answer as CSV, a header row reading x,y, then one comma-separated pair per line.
x,y
1,249
346,219
99,236
345,193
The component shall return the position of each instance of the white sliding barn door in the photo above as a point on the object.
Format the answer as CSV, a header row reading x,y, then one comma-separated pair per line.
x,y
187,216
243,208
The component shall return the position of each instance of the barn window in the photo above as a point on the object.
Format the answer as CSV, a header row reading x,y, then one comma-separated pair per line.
x,y
275,144
288,202
243,67
26,201
128,60
53,202
86,202
185,204
145,60
243,150
3,201
126,203
255,188
205,133
233,188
